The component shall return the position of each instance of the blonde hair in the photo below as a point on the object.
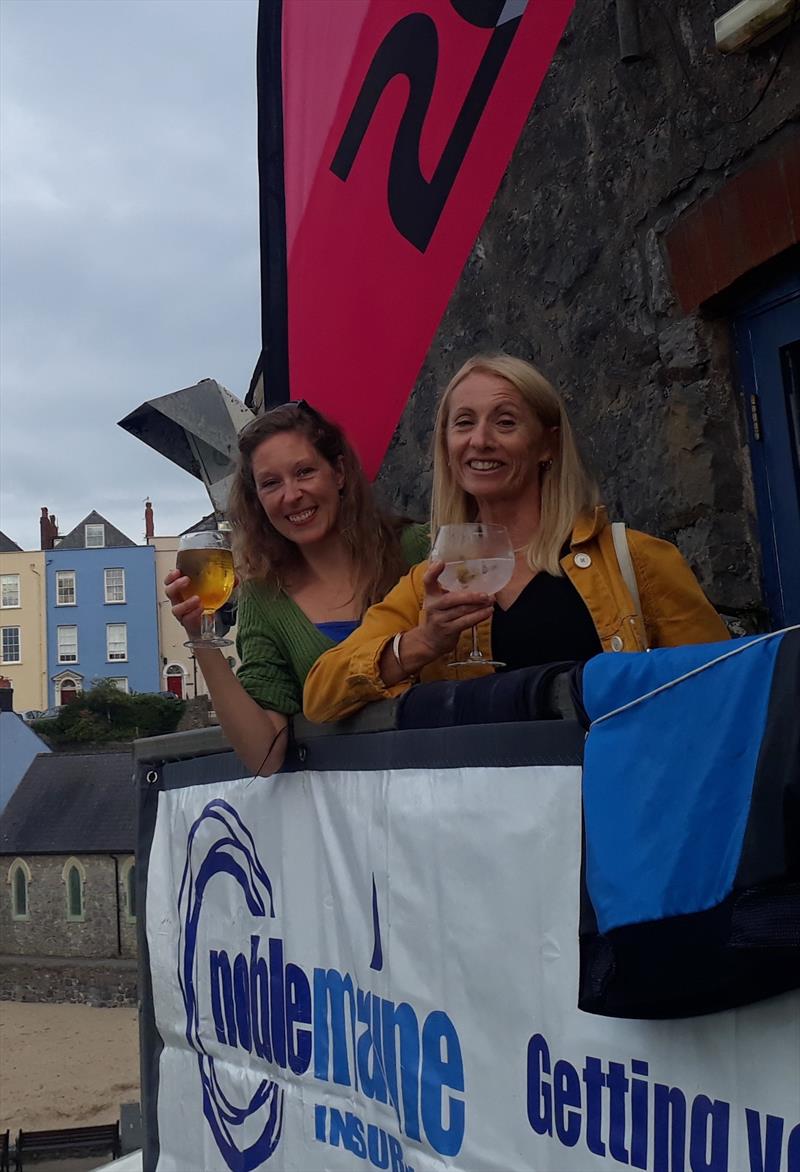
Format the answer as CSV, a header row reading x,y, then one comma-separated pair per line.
x,y
567,488
371,537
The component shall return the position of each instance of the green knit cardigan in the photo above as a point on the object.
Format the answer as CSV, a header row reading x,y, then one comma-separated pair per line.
x,y
278,645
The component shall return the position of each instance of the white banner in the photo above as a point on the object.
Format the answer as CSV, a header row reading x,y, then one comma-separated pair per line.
x,y
379,970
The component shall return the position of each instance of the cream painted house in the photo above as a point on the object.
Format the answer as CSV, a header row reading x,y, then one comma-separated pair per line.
x,y
23,635
179,671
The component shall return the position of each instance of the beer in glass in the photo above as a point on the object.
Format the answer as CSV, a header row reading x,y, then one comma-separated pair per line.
x,y
205,559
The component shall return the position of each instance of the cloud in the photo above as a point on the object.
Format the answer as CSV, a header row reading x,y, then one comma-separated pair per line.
x,y
129,243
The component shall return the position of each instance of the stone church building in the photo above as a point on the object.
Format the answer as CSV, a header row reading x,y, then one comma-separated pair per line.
x,y
68,892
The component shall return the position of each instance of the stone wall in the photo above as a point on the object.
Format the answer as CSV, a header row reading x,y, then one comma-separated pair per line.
x,y
105,930
570,272
84,983
195,714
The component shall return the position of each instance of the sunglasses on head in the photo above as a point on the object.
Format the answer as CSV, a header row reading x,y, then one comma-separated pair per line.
x,y
302,405
298,404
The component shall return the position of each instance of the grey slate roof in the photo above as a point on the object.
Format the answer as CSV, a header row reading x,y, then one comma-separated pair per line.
x,y
203,525
72,803
76,538
7,545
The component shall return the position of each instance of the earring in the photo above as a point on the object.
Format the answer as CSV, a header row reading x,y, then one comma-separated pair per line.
x,y
545,465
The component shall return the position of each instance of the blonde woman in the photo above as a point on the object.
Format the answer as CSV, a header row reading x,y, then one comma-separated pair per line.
x,y
505,454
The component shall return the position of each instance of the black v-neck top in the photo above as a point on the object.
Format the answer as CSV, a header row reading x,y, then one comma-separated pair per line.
x,y
547,622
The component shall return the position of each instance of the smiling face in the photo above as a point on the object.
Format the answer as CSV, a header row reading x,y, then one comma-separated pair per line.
x,y
297,488
495,443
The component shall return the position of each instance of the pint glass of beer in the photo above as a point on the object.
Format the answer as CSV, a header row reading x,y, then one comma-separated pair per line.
x,y
206,560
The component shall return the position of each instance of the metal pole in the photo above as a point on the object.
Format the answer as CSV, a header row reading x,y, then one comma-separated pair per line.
x,y
116,888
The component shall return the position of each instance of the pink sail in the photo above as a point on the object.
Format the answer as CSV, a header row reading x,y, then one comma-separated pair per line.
x,y
380,152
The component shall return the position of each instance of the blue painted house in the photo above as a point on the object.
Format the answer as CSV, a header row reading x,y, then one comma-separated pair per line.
x,y
101,611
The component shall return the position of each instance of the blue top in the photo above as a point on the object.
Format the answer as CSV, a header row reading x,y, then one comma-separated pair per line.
x,y
338,630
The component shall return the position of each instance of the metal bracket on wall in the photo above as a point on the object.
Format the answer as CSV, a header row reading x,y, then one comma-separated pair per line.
x,y
755,417
630,37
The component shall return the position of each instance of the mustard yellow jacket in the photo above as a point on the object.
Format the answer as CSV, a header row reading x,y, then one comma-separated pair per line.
x,y
674,609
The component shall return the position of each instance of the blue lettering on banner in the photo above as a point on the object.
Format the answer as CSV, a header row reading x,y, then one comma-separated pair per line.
x,y
765,1144
367,1141
358,1039
320,1024
620,1115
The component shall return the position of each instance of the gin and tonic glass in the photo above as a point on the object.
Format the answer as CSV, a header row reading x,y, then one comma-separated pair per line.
x,y
477,556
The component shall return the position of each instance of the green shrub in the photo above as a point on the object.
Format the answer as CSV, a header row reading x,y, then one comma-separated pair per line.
x,y
104,713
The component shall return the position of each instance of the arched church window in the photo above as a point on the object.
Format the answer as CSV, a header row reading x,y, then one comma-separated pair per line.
x,y
19,876
74,878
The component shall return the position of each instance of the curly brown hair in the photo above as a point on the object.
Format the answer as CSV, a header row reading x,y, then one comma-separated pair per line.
x,y
371,536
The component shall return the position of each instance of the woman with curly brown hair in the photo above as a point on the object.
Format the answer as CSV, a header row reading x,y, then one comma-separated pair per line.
x,y
313,551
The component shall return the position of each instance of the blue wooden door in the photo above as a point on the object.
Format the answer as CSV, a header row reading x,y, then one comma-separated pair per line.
x,y
767,334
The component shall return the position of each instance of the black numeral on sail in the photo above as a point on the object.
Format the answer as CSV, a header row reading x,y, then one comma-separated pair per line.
x,y
411,49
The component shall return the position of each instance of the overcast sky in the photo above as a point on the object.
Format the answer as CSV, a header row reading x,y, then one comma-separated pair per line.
x,y
128,244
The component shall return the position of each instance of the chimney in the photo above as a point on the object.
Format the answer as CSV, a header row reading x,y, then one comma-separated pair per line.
x,y
48,529
149,530
6,695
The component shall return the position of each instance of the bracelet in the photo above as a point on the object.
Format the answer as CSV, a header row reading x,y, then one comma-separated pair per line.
x,y
396,652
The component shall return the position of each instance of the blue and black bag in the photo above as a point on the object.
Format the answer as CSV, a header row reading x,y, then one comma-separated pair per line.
x,y
690,887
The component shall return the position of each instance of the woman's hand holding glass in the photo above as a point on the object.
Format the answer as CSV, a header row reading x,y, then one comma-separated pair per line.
x,y
462,555
479,554
446,614
188,611
201,584
449,613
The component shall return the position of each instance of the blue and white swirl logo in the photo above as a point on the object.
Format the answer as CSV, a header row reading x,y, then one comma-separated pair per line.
x,y
219,844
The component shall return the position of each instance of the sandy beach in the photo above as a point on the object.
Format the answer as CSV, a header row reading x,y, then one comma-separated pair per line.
x,y
65,1065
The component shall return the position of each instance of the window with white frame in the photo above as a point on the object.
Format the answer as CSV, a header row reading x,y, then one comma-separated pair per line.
x,y
117,641
120,682
66,589
10,648
115,585
9,590
94,536
67,642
